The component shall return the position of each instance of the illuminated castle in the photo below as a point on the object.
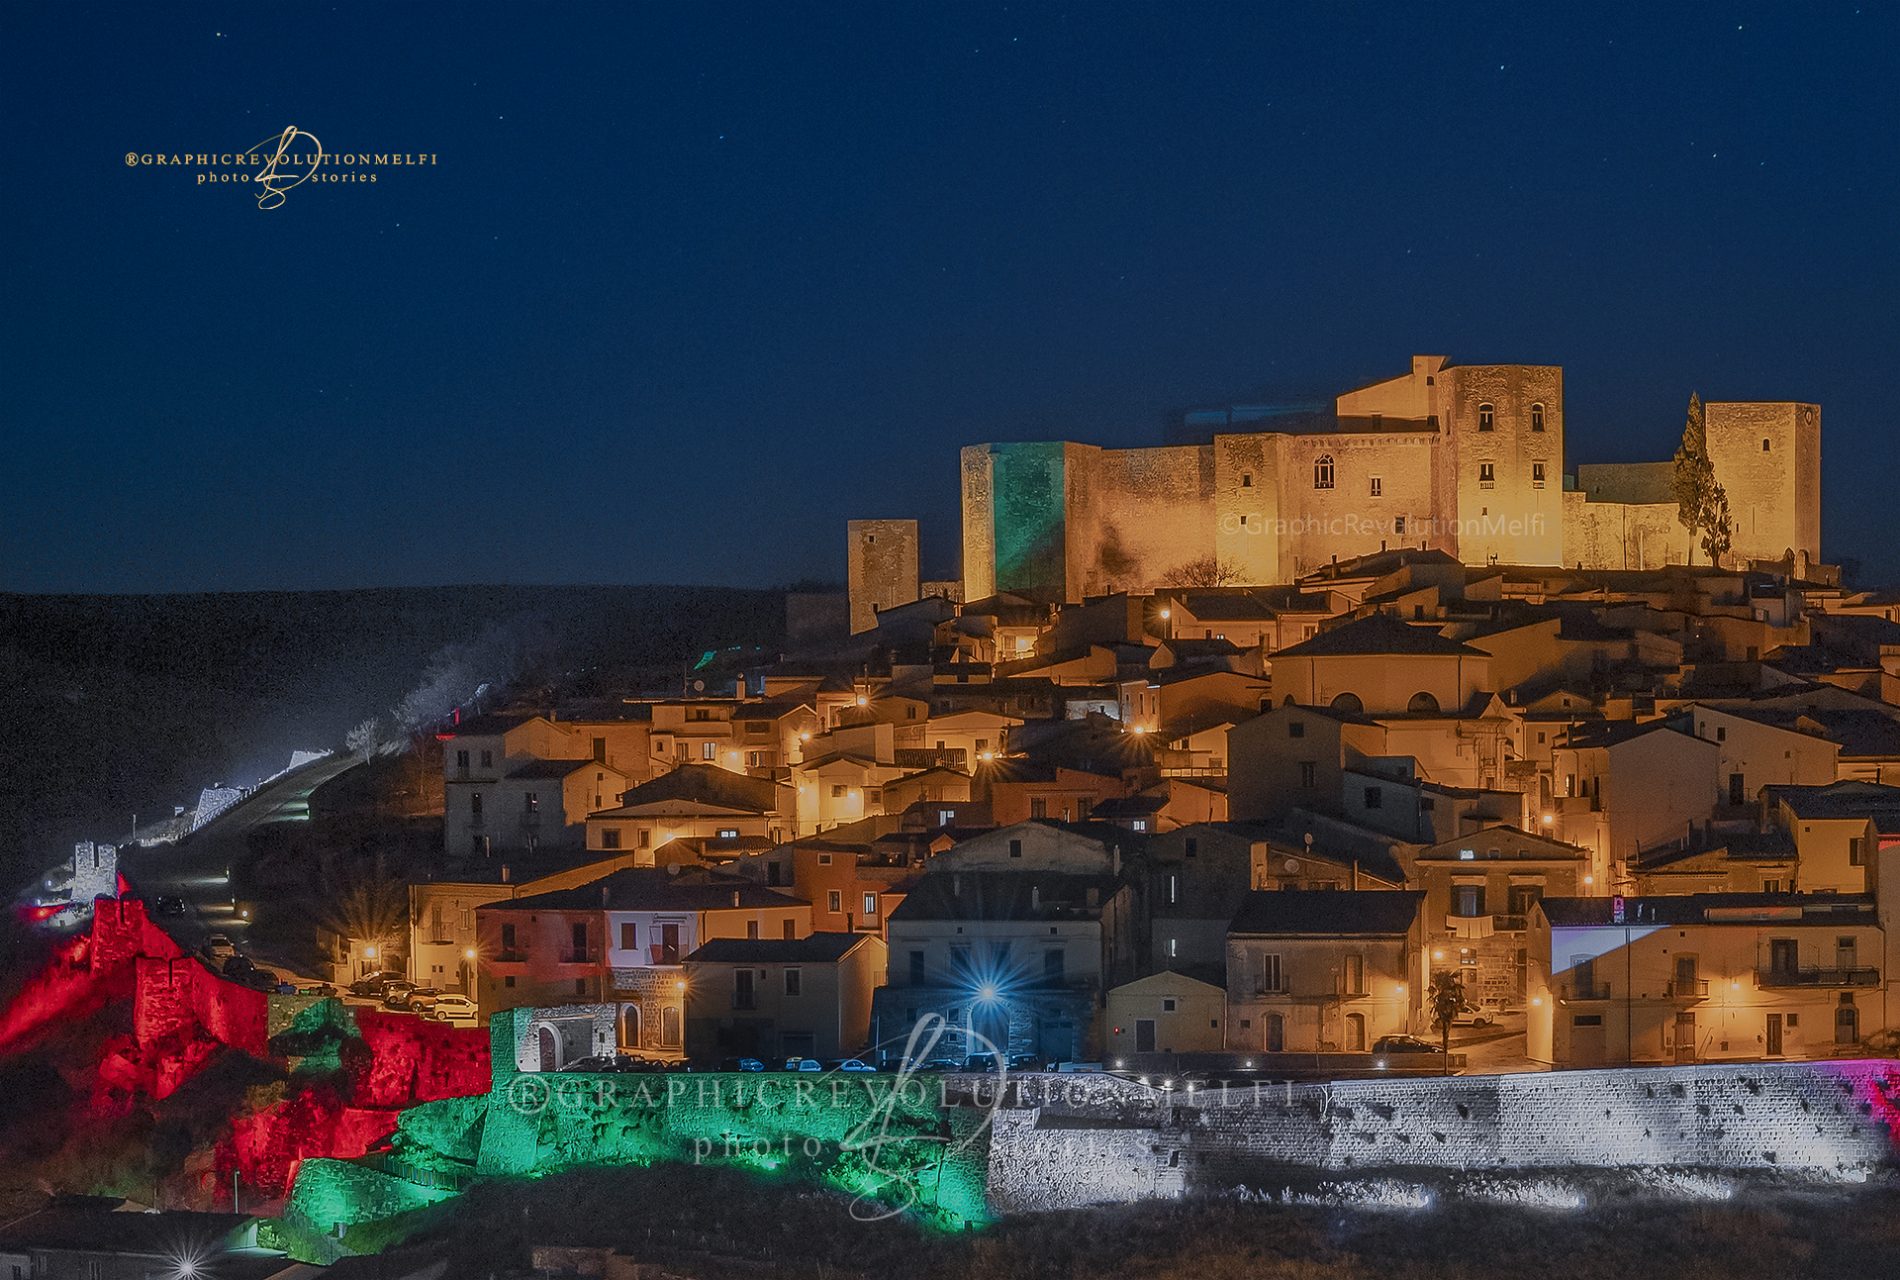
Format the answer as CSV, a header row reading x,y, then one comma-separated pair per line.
x,y
1466,459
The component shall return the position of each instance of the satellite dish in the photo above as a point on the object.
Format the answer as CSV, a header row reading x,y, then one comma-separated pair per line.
x,y
1292,866
699,686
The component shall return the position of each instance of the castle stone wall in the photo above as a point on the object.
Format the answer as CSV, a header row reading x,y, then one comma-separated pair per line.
x,y
880,568
1114,1141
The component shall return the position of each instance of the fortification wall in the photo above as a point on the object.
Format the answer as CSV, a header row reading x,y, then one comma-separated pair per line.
x,y
1137,515
1623,535
1117,1141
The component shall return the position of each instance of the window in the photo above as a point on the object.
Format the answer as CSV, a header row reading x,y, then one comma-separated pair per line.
x,y
1487,417
1052,965
488,759
475,805
1422,704
1537,475
531,802
1296,728
1586,1020
794,982
1857,852
1487,475
580,986
742,994
600,751
1537,417
1323,472
870,905
837,790
1764,444
1015,848
1309,774
834,901
708,751
1398,525
1354,979
1191,846
508,981
461,760
610,838
1272,974
629,936
1038,808
508,938
1377,487
1167,1006
1375,797
728,833
916,968
1467,900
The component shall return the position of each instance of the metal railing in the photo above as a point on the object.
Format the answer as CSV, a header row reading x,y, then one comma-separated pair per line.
x,y
1813,976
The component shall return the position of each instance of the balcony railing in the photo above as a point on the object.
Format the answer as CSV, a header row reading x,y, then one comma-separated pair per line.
x,y
1818,977
1511,922
512,955
1585,990
661,954
1687,988
579,955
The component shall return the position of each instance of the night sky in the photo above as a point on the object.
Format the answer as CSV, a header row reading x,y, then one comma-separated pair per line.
x,y
690,285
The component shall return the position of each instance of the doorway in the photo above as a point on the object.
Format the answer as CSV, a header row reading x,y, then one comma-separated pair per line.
x,y
548,1049
1773,1037
630,1026
1144,1035
1276,1033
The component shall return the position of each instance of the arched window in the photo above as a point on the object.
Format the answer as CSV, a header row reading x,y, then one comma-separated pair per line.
x,y
1422,704
1537,417
1348,704
1323,472
1487,417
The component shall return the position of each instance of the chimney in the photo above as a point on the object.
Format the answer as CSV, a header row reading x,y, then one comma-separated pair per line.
x,y
504,873
735,897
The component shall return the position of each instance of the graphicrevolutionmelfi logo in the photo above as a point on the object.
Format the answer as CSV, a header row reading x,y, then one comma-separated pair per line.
x,y
279,163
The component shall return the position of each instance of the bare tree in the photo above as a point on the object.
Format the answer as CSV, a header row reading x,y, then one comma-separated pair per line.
x,y
364,738
1205,571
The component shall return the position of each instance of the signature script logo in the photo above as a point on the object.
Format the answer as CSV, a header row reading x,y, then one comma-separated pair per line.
x,y
278,175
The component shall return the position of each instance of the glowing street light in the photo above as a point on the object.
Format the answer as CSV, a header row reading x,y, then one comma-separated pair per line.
x,y
989,993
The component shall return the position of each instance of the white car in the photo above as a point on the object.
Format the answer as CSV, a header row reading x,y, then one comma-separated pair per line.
x,y
452,1008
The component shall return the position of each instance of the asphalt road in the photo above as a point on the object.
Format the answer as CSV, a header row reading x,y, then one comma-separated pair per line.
x,y
197,869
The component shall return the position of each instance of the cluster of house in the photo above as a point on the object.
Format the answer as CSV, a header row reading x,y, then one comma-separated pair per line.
x,y
1649,815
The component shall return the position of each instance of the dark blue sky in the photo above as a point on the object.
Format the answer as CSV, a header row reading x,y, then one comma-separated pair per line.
x,y
691,285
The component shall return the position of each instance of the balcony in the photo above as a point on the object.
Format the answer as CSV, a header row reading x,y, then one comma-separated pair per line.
x,y
512,955
1817,977
659,953
1687,989
1580,992
1509,923
579,955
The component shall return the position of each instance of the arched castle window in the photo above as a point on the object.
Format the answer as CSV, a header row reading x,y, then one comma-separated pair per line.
x,y
1487,417
1537,417
1323,472
1348,704
1764,444
1422,704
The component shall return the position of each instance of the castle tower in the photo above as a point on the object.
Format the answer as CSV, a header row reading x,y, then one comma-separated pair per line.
x,y
880,568
1504,428
1767,458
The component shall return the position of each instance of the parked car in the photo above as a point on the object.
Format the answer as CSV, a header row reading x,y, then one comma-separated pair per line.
x,y
376,986
990,1063
849,1065
219,947
235,965
404,994
740,1064
613,1063
165,906
938,1064
1388,1047
803,1064
312,989
452,1008
1485,1013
